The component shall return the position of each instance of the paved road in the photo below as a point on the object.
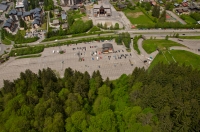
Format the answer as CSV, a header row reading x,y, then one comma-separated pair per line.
x,y
176,17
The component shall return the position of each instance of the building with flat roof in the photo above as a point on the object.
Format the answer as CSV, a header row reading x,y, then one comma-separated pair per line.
x,y
107,48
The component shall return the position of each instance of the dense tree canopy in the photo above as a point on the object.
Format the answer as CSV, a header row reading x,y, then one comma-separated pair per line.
x,y
162,100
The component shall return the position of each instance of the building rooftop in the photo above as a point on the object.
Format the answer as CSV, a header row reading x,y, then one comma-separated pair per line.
x,y
6,24
3,7
13,12
74,7
63,16
19,6
9,20
103,5
4,2
19,13
55,21
26,14
37,15
37,18
35,22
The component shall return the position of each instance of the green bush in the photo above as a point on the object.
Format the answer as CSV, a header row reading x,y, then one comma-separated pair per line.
x,y
135,45
27,50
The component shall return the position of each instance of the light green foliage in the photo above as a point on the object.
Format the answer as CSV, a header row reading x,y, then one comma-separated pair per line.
x,y
101,104
104,91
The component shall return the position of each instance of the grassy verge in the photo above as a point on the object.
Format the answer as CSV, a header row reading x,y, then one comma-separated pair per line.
x,y
188,19
152,45
135,45
189,37
29,56
6,41
180,56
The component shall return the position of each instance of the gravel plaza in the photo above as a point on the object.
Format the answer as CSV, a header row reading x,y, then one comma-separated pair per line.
x,y
111,65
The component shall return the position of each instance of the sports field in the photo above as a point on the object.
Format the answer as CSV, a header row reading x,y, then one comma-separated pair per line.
x,y
179,56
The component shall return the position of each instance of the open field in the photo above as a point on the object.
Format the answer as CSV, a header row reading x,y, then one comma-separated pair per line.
x,y
180,56
151,45
188,19
137,16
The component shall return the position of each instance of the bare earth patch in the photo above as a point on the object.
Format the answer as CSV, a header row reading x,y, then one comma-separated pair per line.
x,y
85,18
134,15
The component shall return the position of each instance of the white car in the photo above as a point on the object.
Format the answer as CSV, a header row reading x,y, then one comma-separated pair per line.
x,y
56,40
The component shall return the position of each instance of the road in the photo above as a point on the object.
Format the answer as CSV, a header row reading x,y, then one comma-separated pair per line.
x,y
134,32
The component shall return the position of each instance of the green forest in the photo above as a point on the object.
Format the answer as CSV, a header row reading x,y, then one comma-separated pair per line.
x,y
166,99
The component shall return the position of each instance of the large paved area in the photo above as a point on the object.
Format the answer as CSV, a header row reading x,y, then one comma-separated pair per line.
x,y
111,68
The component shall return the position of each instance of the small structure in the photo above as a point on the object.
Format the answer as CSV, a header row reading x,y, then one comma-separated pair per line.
x,y
107,48
102,10
176,5
74,7
64,26
21,5
63,15
121,6
55,22
56,12
153,3
179,11
4,2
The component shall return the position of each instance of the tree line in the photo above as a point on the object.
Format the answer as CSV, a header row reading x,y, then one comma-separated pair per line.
x,y
161,100
17,38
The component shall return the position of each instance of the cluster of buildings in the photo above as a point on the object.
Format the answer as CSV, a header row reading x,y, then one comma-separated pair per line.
x,y
21,12
35,16
185,7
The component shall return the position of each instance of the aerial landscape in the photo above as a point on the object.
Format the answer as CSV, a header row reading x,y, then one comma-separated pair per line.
x,y
100,65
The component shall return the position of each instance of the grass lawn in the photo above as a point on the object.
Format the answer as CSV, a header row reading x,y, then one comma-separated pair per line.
x,y
6,41
189,37
151,45
23,32
180,56
137,16
188,19
44,26
78,14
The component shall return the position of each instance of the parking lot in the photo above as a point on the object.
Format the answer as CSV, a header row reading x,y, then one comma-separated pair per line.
x,y
81,57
